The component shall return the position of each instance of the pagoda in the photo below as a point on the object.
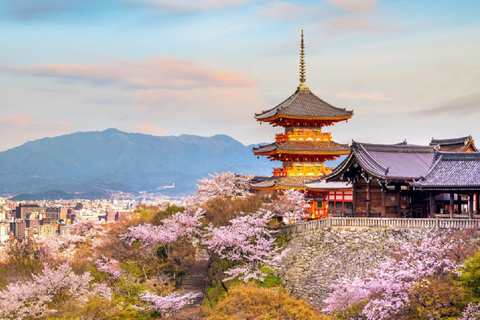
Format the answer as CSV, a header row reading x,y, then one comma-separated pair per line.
x,y
304,147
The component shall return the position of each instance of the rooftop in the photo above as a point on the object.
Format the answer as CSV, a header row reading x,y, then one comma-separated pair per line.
x,y
452,170
393,162
316,147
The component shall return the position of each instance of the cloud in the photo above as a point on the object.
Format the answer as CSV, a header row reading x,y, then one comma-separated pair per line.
x,y
466,105
372,96
280,9
58,9
147,127
354,4
157,73
183,5
61,9
16,120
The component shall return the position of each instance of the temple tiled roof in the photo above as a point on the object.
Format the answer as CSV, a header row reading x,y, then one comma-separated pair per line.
x,y
284,182
303,103
391,162
454,145
294,182
452,170
264,183
303,146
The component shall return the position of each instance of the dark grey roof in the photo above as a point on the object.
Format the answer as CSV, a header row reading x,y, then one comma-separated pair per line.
x,y
456,145
303,146
305,104
452,170
461,140
391,162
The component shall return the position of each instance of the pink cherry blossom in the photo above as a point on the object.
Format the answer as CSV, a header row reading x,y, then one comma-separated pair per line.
x,y
387,286
248,242
168,304
182,224
226,184
291,205
110,266
29,299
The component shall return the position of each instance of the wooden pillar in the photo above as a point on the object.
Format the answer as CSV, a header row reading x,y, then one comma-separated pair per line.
x,y
354,200
470,206
369,198
399,202
432,204
384,213
459,203
451,205
478,203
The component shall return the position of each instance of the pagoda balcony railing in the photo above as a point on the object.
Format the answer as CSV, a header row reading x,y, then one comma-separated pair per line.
x,y
302,171
303,136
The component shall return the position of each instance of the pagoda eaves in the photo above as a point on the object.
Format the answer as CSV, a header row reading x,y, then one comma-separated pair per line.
x,y
304,108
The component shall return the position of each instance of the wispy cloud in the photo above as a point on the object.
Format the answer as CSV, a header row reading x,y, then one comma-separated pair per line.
x,y
469,104
16,120
354,4
157,73
281,9
148,128
185,5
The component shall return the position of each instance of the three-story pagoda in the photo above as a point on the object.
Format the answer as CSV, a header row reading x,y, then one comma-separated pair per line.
x,y
304,147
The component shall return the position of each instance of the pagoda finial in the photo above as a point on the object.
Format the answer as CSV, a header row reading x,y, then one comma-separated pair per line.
x,y
302,65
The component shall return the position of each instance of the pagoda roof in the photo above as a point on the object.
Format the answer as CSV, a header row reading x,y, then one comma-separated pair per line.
x,y
452,170
303,104
303,147
461,144
387,162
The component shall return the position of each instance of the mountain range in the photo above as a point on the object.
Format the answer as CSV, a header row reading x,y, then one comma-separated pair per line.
x,y
90,164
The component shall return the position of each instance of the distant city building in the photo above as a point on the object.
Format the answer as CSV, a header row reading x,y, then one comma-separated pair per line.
x,y
18,229
47,230
56,213
29,211
4,232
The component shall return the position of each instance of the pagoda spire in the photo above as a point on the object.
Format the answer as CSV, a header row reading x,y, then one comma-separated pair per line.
x,y
302,65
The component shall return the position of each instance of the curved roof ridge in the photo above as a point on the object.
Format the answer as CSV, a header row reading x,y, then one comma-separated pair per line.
x,y
339,109
463,140
435,161
396,147
304,103
368,157
279,106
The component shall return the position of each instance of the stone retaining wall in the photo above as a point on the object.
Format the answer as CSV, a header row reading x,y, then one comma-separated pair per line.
x,y
318,258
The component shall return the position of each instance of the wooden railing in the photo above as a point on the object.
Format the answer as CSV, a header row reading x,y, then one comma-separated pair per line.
x,y
396,223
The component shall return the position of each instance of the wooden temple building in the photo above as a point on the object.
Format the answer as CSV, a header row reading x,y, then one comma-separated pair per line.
x,y
441,180
304,147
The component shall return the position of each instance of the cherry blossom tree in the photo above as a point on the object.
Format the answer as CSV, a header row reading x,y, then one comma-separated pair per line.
x,y
110,266
30,299
226,184
291,205
388,285
248,243
472,312
169,304
180,225
89,232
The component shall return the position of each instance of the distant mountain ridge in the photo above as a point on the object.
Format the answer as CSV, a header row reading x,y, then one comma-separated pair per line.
x,y
116,160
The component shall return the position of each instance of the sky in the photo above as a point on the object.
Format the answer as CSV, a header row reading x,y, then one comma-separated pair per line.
x,y
409,69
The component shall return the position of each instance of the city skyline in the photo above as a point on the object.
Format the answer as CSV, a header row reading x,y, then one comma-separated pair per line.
x,y
408,69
